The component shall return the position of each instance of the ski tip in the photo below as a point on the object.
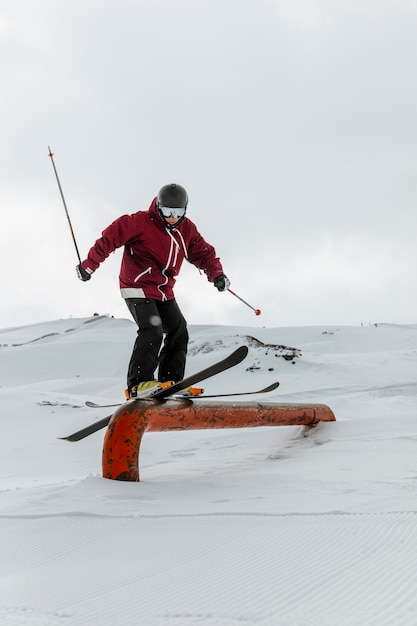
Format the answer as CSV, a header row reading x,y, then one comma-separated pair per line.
x,y
242,351
272,387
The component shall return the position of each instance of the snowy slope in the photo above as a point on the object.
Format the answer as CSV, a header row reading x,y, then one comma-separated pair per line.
x,y
277,526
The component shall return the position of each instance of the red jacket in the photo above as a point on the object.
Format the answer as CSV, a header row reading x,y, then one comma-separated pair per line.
x,y
153,253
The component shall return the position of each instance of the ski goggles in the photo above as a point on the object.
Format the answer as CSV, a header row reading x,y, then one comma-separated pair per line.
x,y
168,211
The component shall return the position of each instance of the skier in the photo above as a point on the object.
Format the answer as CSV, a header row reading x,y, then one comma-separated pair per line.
x,y
156,242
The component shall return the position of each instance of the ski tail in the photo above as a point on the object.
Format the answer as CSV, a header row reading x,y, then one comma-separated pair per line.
x,y
88,430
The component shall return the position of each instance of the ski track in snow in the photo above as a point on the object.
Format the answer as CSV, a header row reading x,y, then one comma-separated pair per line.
x,y
317,565
284,526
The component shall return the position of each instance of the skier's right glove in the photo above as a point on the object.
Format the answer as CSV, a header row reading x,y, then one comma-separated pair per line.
x,y
222,283
82,274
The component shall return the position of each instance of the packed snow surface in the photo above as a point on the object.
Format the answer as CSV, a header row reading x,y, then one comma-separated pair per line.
x,y
271,526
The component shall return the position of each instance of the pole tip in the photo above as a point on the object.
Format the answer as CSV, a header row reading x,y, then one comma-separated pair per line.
x,y
257,311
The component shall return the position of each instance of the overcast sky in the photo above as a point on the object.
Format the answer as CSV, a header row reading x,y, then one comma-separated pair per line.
x,y
292,124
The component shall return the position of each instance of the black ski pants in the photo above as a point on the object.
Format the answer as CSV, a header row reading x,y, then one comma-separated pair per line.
x,y
157,321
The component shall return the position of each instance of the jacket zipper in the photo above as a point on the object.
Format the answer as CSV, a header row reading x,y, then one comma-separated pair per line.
x,y
147,271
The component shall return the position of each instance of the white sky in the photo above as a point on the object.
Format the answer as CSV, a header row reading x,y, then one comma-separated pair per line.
x,y
291,124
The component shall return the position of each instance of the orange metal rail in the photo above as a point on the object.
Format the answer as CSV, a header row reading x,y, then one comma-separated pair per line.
x,y
127,425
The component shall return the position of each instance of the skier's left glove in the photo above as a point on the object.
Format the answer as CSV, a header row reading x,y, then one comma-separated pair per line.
x,y
222,283
82,274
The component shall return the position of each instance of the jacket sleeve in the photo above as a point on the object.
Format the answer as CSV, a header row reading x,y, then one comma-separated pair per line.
x,y
122,230
203,255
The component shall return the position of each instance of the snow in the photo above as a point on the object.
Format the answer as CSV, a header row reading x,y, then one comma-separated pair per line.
x,y
271,526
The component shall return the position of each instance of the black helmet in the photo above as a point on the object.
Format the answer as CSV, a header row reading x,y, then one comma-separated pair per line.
x,y
175,197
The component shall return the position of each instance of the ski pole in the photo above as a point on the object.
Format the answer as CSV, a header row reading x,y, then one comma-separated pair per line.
x,y
51,154
257,311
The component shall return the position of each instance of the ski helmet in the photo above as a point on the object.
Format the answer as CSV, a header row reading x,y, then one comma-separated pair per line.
x,y
173,197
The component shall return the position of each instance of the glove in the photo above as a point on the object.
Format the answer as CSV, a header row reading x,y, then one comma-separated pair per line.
x,y
82,274
222,283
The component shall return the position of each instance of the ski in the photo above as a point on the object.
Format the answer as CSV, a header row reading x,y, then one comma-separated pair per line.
x,y
202,396
233,359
